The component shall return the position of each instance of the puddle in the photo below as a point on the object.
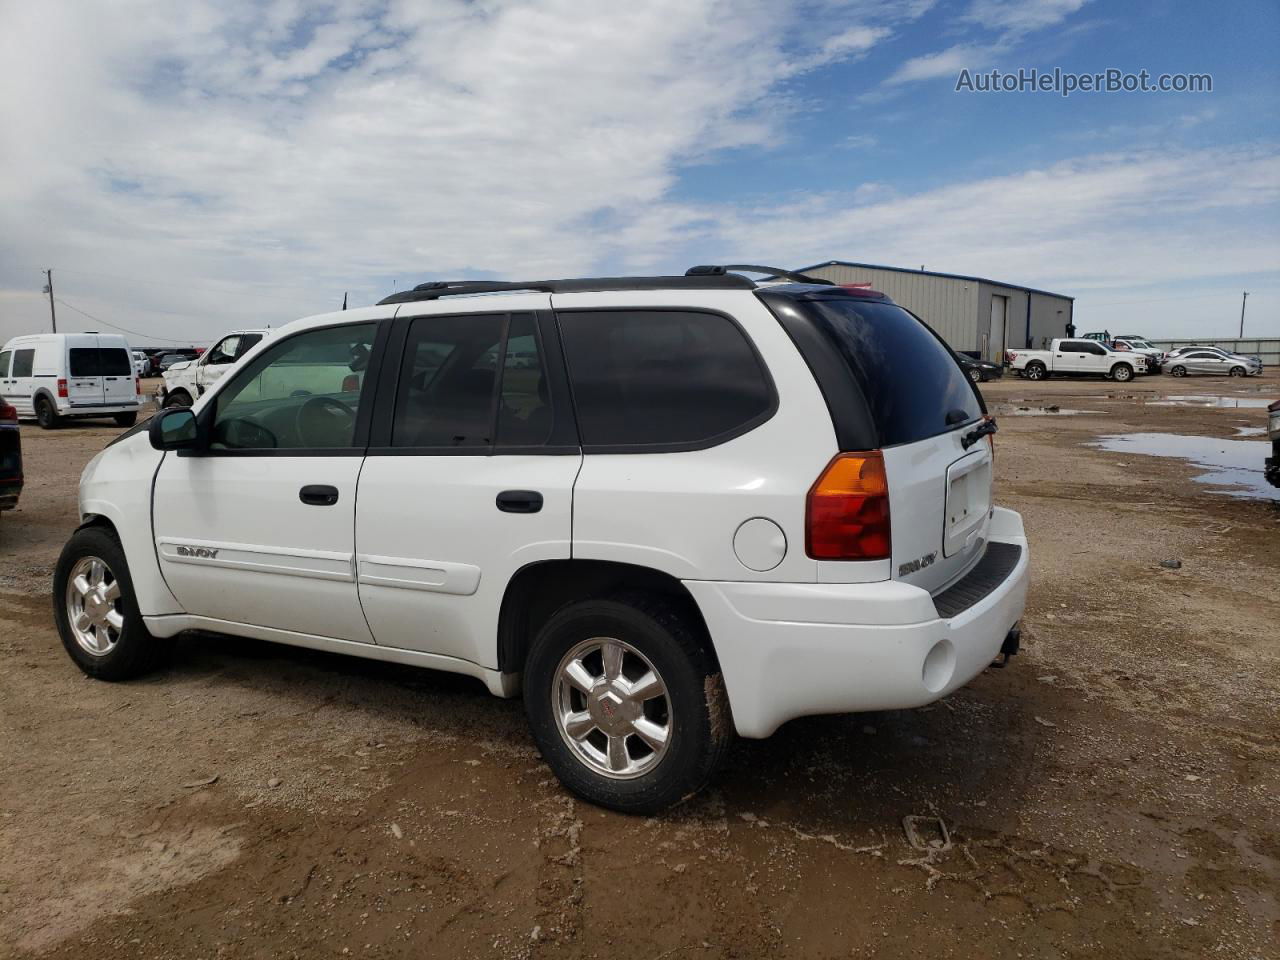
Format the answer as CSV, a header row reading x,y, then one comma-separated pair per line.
x,y
1228,463
1051,410
1233,403
1250,431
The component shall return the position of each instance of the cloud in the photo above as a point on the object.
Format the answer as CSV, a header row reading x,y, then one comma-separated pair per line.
x,y
944,63
1021,16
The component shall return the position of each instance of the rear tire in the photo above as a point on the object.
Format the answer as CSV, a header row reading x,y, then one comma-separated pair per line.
x,y
598,739
178,398
1179,371
1035,371
126,419
46,414
101,627
1122,373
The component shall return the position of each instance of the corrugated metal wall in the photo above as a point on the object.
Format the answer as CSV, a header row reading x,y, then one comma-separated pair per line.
x,y
1049,319
949,306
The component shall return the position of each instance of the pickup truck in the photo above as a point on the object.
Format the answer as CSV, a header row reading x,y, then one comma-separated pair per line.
x,y
1077,358
186,380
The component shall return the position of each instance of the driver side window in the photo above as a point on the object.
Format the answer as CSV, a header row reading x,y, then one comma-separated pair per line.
x,y
302,394
224,351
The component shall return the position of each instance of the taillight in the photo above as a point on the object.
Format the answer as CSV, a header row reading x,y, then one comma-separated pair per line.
x,y
62,388
8,411
1011,355
847,512
137,385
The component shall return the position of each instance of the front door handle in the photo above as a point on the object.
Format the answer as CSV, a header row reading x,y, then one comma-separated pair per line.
x,y
319,495
519,501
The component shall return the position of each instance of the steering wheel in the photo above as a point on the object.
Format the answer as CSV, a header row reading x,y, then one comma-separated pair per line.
x,y
320,419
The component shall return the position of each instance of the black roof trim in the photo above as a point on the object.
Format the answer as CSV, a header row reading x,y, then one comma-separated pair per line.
x,y
934,273
441,288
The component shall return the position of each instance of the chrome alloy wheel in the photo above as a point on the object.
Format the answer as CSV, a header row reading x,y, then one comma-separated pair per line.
x,y
93,606
612,708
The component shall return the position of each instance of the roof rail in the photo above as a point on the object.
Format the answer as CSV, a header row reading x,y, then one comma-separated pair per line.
x,y
715,270
435,289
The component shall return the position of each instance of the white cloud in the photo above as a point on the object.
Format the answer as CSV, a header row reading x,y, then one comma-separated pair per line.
x,y
944,63
1020,16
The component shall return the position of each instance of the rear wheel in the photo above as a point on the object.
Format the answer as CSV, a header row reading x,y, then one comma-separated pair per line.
x,y
1035,371
1238,371
626,702
95,609
126,419
1122,372
1179,371
178,398
46,413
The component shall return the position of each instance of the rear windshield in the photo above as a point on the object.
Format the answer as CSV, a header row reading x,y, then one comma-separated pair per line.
x,y
914,387
95,362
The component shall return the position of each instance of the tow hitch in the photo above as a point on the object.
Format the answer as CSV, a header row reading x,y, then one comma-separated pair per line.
x,y
1007,649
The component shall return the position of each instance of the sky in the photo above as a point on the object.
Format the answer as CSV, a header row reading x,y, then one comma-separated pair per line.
x,y
188,168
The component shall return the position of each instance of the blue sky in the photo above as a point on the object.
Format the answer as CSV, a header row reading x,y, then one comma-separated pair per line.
x,y
189,168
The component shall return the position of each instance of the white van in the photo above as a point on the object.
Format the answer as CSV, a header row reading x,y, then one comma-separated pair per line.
x,y
49,376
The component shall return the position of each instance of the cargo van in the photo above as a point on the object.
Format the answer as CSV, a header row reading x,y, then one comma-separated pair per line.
x,y
51,376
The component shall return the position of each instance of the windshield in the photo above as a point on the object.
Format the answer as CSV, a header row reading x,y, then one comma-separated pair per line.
x,y
913,385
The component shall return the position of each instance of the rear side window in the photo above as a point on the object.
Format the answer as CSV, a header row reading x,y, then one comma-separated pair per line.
x,y
4,363
662,379
913,386
23,363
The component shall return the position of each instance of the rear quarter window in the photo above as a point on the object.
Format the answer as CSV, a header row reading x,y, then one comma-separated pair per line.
x,y
913,386
654,380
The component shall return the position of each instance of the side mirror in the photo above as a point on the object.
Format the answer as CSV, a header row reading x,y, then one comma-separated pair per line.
x,y
174,429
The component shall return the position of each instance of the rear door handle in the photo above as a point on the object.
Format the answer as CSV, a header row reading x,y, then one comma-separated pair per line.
x,y
319,495
519,501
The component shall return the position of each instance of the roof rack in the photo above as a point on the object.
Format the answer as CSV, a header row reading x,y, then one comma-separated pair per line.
x,y
713,270
436,289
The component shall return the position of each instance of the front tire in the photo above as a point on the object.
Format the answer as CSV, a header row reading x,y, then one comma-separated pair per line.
x,y
1179,371
178,398
95,609
975,375
46,413
1122,373
1238,371
626,702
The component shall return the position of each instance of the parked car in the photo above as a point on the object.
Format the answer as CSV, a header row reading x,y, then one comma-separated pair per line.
x,y
1154,355
140,363
980,371
1212,361
706,505
10,456
51,376
167,360
1272,464
1077,358
184,382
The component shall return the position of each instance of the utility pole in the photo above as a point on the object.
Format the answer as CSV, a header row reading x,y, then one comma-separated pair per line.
x,y
1242,303
48,288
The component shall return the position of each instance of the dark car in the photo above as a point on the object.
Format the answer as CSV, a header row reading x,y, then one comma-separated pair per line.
x,y
10,457
980,371
167,360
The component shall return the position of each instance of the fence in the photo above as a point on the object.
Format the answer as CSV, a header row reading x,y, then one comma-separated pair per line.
x,y
1268,348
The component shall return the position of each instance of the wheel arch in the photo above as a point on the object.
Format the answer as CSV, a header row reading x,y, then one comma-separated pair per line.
x,y
539,589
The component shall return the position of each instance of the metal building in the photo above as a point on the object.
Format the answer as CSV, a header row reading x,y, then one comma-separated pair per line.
x,y
979,317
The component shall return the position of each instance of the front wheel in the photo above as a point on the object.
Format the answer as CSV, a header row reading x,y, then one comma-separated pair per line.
x,y
1238,371
95,609
1122,372
626,702
176,398
975,375
1179,371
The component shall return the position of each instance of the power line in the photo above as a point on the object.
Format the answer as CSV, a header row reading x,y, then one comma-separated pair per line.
x,y
116,326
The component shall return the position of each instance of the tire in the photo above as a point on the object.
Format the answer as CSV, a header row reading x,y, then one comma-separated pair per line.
x,y
179,398
1035,371
1238,371
46,414
124,647
1122,373
691,711
975,375
126,419
1178,371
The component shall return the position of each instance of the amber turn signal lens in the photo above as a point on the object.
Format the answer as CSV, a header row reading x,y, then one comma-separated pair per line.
x,y
847,513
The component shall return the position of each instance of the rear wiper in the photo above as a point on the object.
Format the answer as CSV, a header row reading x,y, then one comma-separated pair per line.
x,y
985,428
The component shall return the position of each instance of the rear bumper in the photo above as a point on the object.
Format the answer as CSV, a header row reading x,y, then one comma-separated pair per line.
x,y
98,409
788,650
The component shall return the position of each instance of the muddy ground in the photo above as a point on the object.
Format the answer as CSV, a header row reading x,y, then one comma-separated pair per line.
x,y
1114,792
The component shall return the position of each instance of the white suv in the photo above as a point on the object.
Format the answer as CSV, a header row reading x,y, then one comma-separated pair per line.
x,y
666,508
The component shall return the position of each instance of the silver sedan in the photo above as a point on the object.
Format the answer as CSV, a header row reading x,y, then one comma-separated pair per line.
x,y
1212,361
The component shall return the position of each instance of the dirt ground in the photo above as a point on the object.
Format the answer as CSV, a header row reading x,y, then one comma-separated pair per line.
x,y
1115,792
